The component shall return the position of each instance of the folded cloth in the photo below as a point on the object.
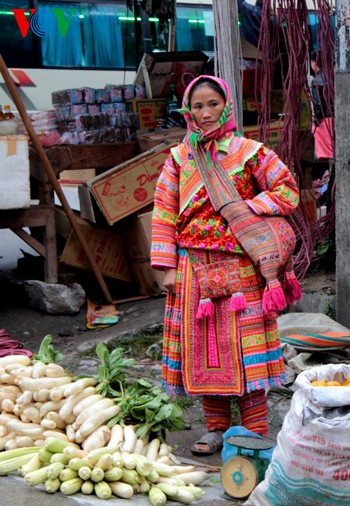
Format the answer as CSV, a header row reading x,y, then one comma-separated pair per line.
x,y
10,346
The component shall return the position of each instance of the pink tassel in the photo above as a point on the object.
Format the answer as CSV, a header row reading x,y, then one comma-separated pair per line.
x,y
237,302
273,298
292,288
205,308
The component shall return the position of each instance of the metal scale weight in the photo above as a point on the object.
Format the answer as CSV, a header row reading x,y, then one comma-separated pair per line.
x,y
241,473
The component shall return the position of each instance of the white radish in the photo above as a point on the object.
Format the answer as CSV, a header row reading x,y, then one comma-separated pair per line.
x,y
55,433
48,424
174,459
42,395
32,413
120,489
88,412
117,437
55,417
11,444
57,393
21,427
70,433
9,379
54,371
23,372
25,398
153,449
11,368
194,477
98,419
15,359
138,447
39,370
79,385
74,452
86,402
50,406
39,442
130,439
3,431
67,407
7,405
98,439
39,383
5,417
24,442
183,469
163,450
164,460
5,439
129,461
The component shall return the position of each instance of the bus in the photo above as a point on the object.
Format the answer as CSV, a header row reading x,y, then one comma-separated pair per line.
x,y
57,44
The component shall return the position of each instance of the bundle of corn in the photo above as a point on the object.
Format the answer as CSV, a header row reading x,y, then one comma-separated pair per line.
x,y
105,472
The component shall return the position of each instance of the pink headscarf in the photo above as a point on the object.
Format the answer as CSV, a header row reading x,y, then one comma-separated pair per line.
x,y
225,124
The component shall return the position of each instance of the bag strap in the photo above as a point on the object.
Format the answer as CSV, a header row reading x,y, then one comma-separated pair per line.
x,y
217,182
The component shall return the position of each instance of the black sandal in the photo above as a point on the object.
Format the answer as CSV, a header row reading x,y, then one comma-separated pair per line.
x,y
213,440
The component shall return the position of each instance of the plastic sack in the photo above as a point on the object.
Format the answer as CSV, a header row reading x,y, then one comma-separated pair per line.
x,y
310,465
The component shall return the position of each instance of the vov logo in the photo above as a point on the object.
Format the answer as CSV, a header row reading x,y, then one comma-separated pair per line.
x,y
38,23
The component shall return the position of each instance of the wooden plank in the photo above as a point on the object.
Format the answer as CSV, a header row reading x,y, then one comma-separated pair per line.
x,y
51,264
60,158
30,240
102,156
34,216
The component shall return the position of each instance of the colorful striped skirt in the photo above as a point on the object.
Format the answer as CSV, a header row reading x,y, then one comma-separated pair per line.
x,y
246,345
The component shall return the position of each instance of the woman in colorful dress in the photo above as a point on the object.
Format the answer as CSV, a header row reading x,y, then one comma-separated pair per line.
x,y
233,349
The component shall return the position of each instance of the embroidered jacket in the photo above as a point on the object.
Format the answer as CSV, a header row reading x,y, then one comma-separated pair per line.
x,y
183,215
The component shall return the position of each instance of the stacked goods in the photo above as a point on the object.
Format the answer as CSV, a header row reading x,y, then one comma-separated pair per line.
x,y
94,434
46,128
88,115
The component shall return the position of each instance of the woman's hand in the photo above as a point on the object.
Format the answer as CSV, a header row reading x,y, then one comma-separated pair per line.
x,y
170,279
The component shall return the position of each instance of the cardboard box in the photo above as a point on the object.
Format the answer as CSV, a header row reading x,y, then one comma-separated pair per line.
x,y
251,104
278,102
252,132
107,248
308,198
149,111
148,140
129,187
157,70
76,176
14,172
138,243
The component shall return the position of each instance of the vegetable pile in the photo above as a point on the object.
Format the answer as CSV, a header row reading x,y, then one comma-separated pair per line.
x,y
94,434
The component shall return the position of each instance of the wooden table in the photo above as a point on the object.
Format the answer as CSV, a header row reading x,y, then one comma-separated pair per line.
x,y
40,218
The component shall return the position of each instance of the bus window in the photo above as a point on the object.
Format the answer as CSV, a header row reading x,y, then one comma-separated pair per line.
x,y
92,38
95,35
194,29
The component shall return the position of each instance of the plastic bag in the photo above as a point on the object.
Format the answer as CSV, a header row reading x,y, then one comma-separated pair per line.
x,y
310,465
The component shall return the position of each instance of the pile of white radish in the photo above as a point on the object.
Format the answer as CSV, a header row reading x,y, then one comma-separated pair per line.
x,y
44,413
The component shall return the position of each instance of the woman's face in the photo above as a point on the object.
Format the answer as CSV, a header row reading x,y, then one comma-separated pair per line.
x,y
206,106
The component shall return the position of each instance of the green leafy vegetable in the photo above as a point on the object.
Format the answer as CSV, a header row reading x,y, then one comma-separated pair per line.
x,y
149,407
47,354
111,372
